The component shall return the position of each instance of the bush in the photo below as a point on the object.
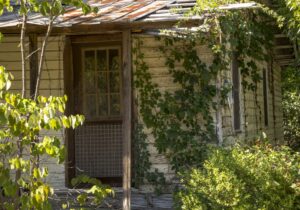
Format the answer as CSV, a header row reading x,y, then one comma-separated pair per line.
x,y
291,106
291,120
256,177
23,183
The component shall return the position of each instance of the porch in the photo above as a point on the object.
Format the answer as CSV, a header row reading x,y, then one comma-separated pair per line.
x,y
139,200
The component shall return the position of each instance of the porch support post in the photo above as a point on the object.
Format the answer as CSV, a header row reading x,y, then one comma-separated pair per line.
x,y
127,96
68,90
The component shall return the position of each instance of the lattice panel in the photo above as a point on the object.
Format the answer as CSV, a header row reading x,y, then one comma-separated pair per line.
x,y
98,150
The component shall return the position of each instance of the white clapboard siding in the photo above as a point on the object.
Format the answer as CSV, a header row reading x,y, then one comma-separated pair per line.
x,y
10,58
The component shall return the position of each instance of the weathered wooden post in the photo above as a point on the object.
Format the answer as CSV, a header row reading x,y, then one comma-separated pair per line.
x,y
127,92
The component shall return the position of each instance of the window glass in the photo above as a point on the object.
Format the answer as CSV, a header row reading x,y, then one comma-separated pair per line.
x,y
114,82
91,109
103,105
101,60
115,104
114,60
102,83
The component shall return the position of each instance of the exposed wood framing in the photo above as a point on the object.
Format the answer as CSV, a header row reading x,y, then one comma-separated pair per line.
x,y
284,51
284,47
33,62
127,99
92,29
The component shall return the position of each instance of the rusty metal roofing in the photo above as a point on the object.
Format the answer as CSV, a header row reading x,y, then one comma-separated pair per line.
x,y
178,10
109,11
115,11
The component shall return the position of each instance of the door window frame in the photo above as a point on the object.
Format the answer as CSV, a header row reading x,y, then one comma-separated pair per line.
x,y
73,88
108,117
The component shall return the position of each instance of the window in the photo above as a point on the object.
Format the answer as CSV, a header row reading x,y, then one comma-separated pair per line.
x,y
265,95
101,83
236,94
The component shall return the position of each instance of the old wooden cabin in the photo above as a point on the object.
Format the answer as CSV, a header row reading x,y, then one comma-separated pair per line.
x,y
89,59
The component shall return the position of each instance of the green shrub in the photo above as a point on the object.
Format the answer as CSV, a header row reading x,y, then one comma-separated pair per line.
x,y
291,120
23,183
291,106
257,177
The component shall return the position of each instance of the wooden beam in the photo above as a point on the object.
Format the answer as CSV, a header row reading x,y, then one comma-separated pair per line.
x,y
280,36
69,133
33,62
278,57
108,38
285,60
101,28
127,113
284,47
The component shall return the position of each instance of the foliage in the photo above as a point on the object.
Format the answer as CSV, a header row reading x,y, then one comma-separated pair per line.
x,y
22,175
288,17
166,114
97,190
23,119
291,106
181,121
142,164
46,8
254,177
288,12
50,10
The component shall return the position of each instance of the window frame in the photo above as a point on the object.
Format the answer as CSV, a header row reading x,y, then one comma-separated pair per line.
x,y
265,90
107,118
236,105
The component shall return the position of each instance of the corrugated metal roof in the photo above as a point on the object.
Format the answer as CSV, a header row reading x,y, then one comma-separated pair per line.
x,y
178,9
116,11
109,11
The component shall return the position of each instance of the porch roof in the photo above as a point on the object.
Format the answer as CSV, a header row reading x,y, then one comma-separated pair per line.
x,y
115,11
116,15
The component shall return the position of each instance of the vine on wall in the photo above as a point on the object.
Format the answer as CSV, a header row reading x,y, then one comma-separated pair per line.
x,y
142,164
181,121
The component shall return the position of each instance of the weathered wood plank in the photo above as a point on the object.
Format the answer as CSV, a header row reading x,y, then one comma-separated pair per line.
x,y
139,200
68,88
127,101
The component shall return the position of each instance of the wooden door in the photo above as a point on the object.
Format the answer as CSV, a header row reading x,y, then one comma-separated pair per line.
x,y
97,95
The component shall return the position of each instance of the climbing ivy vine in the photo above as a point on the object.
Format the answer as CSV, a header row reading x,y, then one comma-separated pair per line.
x,y
182,121
142,164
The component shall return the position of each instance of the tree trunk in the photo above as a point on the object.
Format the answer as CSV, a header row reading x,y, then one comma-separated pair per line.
x,y
23,52
42,57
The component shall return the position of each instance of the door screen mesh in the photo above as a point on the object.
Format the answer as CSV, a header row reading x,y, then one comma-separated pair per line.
x,y
98,150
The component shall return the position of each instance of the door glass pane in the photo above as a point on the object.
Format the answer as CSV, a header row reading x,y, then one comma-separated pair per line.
x,y
115,108
90,106
102,82
103,105
101,60
89,82
114,82
89,61
114,60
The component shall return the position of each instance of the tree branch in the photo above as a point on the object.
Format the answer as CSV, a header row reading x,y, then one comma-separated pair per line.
x,y
23,56
42,56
